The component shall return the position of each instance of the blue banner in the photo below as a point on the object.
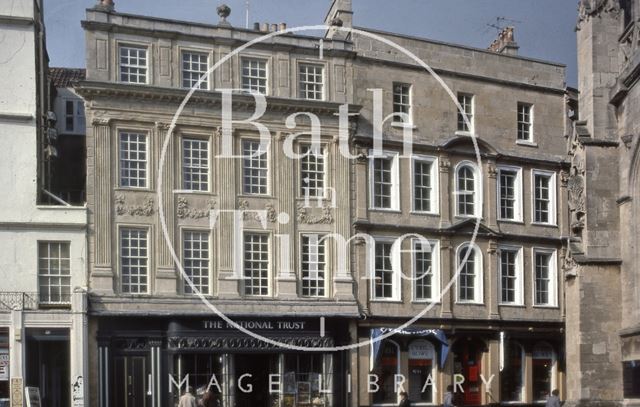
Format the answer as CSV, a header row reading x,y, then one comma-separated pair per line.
x,y
438,334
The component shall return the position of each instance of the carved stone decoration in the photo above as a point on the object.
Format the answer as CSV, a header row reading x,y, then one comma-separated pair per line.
x,y
184,210
445,164
146,209
492,170
570,267
243,342
325,218
100,121
256,214
594,8
564,178
576,185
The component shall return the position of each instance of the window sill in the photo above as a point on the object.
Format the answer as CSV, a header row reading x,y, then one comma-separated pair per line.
x,y
458,302
513,221
511,305
526,143
385,210
191,192
464,133
386,300
546,225
421,213
465,217
259,196
541,306
133,189
423,302
401,125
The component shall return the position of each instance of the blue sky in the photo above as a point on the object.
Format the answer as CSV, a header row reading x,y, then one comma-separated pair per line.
x,y
544,28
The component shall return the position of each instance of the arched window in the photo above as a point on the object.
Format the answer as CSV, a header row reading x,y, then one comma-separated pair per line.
x,y
422,369
544,362
512,376
469,264
467,190
386,367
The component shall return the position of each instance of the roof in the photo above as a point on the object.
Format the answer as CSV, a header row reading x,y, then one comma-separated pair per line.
x,y
64,77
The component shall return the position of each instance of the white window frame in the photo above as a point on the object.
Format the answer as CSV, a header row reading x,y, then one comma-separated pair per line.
x,y
183,167
479,274
321,241
209,285
395,119
325,163
396,261
478,192
206,85
149,267
435,272
242,167
267,82
517,205
147,66
47,273
531,139
147,161
395,180
302,89
519,283
553,277
435,187
269,264
471,116
553,221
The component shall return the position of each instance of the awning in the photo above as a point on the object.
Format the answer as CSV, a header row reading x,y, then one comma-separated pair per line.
x,y
437,334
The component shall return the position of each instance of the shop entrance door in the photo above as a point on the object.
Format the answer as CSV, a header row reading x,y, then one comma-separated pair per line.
x,y
467,361
258,366
129,377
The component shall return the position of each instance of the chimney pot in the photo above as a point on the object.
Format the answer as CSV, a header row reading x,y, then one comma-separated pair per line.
x,y
274,27
264,27
256,26
283,26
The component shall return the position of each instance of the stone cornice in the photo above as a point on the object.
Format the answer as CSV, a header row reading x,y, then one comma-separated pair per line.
x,y
93,90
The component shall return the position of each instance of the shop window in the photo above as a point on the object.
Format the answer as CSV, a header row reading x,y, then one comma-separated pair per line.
x,y
4,367
307,380
544,359
631,379
386,368
512,375
422,368
201,368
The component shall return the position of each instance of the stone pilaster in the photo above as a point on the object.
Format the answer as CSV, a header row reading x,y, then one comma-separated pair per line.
x,y
445,191
491,280
102,276
342,280
490,195
227,237
284,190
166,277
447,272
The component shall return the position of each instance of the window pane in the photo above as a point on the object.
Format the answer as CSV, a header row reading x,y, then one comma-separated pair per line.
x,y
542,198
256,264
508,194
311,81
312,172
382,183
134,260
543,278
467,277
383,271
195,164
255,167
254,75
524,122
195,255
423,272
401,101
133,64
508,275
466,102
466,191
313,264
133,160
422,186
194,65
54,272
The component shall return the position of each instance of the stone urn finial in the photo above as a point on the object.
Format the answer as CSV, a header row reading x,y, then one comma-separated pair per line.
x,y
105,5
223,11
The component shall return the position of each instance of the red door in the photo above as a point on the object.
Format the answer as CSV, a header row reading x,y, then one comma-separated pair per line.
x,y
467,355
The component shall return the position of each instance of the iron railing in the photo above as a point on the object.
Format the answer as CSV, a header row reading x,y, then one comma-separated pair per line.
x,y
10,300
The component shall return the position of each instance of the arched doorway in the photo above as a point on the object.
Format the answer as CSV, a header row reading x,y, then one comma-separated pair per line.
x,y
467,362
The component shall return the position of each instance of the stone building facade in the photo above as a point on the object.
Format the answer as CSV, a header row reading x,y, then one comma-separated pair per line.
x,y
159,189
603,311
43,302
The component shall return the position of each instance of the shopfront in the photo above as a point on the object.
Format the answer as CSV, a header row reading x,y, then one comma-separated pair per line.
x,y
151,364
4,367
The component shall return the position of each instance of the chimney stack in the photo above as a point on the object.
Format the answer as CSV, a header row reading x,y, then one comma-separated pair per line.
x,y
505,43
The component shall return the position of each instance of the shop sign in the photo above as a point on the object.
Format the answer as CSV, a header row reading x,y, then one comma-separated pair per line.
x,y
4,365
421,349
261,325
